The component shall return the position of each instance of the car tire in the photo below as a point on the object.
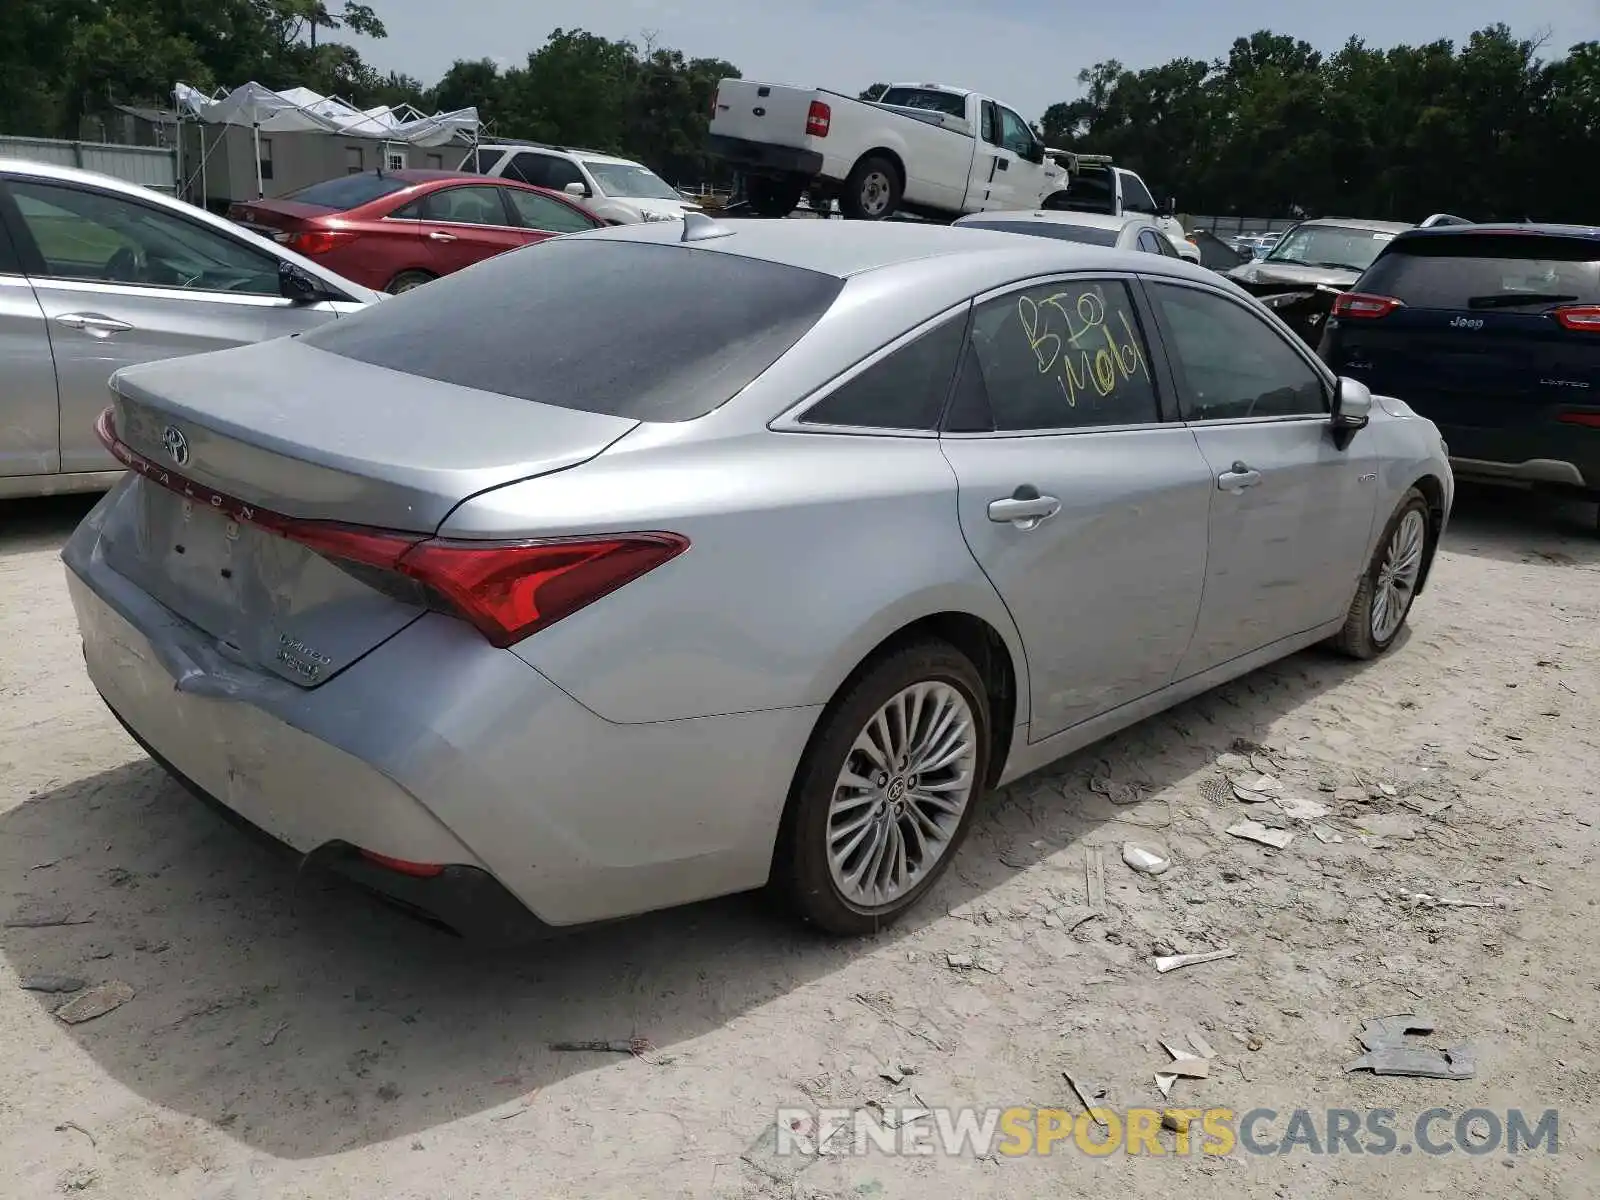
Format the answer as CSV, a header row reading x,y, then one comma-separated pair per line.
x,y
873,190
1373,623
773,197
897,834
407,280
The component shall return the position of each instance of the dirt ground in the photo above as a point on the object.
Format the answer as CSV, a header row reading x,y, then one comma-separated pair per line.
x,y
288,1038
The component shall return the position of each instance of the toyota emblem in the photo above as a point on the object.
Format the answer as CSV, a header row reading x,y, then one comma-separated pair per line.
x,y
175,444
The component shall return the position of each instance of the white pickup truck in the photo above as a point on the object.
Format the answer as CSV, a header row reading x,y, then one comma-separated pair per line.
x,y
922,148
1094,184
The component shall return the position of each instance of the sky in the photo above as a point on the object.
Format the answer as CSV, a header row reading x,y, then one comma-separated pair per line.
x,y
1026,53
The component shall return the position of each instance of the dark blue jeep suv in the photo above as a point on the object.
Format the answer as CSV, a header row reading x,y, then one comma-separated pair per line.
x,y
1493,333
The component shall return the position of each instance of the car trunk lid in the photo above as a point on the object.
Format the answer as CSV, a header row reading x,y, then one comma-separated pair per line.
x,y
764,112
234,447
276,219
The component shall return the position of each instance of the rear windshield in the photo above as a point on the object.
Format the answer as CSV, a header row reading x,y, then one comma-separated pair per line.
x,y
927,99
646,331
1088,234
1484,270
348,191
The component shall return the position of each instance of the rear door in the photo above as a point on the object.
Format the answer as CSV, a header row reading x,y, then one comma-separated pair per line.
x,y
1291,512
122,282
466,224
29,432
1085,508
1474,343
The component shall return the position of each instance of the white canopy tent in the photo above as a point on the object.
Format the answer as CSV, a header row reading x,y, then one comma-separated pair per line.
x,y
299,110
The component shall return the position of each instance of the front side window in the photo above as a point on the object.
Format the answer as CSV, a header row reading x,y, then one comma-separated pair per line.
x,y
1135,196
1066,355
903,390
476,205
1230,362
1015,135
97,236
541,212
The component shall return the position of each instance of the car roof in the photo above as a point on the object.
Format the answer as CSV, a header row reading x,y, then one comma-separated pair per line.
x,y
1360,223
1057,217
561,151
1548,229
852,248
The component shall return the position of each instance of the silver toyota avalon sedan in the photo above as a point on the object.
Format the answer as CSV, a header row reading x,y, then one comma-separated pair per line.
x,y
669,561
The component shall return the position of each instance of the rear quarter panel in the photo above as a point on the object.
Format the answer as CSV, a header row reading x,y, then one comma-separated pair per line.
x,y
807,551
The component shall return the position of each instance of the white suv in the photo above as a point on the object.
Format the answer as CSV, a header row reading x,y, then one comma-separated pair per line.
x,y
617,190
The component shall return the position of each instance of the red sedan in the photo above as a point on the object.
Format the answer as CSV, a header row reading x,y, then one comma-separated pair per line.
x,y
394,230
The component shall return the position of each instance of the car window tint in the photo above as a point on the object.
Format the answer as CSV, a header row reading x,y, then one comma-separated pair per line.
x,y
560,172
349,191
905,390
1230,362
10,263
99,236
1149,242
465,206
1135,196
1164,246
543,213
1464,270
631,329
1089,190
530,168
1063,356
407,212
927,99
1090,235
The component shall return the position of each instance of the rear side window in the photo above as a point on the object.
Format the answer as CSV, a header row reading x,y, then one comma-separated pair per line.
x,y
348,191
1090,235
629,329
1483,270
1064,355
903,390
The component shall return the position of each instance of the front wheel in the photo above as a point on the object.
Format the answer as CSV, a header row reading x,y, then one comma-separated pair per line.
x,y
1383,599
407,280
886,791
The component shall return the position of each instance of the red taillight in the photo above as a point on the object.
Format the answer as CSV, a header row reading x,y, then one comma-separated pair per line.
x,y
1580,318
818,117
1589,419
508,590
415,869
320,241
1358,306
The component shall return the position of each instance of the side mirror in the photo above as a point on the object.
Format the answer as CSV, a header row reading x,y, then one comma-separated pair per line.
x,y
576,189
1169,207
1352,408
295,284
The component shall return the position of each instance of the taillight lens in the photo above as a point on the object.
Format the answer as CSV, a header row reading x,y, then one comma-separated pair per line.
x,y
818,117
320,241
1589,419
1580,318
1359,306
508,590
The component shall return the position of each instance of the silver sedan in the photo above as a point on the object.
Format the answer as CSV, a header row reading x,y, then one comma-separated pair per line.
x,y
96,274
664,562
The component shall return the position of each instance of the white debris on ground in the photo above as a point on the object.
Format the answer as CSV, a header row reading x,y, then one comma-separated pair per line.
x,y
1421,840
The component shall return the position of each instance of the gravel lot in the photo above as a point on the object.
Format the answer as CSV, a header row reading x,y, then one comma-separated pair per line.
x,y
288,1038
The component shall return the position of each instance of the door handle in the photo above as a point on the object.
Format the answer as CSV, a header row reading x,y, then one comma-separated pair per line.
x,y
440,236
1025,508
1238,477
94,324
1003,164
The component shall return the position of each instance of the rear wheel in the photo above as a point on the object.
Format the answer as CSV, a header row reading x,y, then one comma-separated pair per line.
x,y
407,280
1383,600
873,190
772,197
887,790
